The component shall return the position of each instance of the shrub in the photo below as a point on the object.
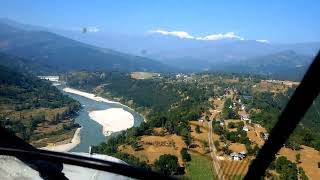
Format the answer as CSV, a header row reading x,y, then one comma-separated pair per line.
x,y
185,155
167,164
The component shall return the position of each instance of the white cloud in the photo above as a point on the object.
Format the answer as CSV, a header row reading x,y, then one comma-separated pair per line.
x,y
263,41
180,34
212,37
220,36
93,29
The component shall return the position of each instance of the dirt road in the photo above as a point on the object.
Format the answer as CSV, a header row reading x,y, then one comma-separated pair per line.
x,y
215,161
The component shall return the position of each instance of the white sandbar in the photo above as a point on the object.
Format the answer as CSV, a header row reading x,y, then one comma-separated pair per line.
x,y
113,119
65,147
91,96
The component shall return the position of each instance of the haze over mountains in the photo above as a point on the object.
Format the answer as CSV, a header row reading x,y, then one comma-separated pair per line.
x,y
64,50
57,53
198,55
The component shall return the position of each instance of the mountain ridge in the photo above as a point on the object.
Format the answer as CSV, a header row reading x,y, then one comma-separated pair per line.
x,y
64,54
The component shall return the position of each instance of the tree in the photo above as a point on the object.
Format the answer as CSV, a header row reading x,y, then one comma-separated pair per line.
x,y
198,129
218,130
303,175
58,118
298,158
185,133
185,155
135,144
232,136
66,127
217,144
232,125
167,164
226,109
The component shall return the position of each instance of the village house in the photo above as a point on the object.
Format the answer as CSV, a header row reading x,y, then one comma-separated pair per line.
x,y
235,156
201,122
265,136
245,118
238,156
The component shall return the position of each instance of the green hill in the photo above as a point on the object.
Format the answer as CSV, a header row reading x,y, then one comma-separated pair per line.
x,y
28,104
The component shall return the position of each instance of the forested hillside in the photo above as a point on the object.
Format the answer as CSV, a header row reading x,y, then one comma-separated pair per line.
x,y
23,65
28,104
307,132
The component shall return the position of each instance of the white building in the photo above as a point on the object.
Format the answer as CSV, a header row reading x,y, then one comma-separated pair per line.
x,y
265,136
201,122
235,156
50,78
238,156
245,118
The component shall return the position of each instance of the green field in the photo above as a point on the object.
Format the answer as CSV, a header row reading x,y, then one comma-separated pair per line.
x,y
200,168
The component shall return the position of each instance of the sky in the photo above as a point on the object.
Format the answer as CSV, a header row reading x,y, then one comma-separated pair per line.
x,y
281,21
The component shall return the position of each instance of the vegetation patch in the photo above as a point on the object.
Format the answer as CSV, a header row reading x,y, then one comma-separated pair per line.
x,y
200,167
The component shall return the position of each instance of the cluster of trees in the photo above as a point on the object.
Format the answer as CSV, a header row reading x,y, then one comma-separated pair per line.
x,y
227,112
271,105
238,125
111,148
287,170
304,136
233,136
25,91
167,164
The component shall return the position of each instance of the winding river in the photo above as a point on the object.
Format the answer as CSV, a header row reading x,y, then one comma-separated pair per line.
x,y
91,131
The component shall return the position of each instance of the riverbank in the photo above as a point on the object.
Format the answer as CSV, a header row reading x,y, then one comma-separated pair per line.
x,y
92,96
65,147
113,120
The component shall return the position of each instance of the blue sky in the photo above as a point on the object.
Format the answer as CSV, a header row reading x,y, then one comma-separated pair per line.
x,y
275,20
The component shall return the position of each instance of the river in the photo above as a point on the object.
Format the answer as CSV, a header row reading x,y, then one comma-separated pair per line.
x,y
91,131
